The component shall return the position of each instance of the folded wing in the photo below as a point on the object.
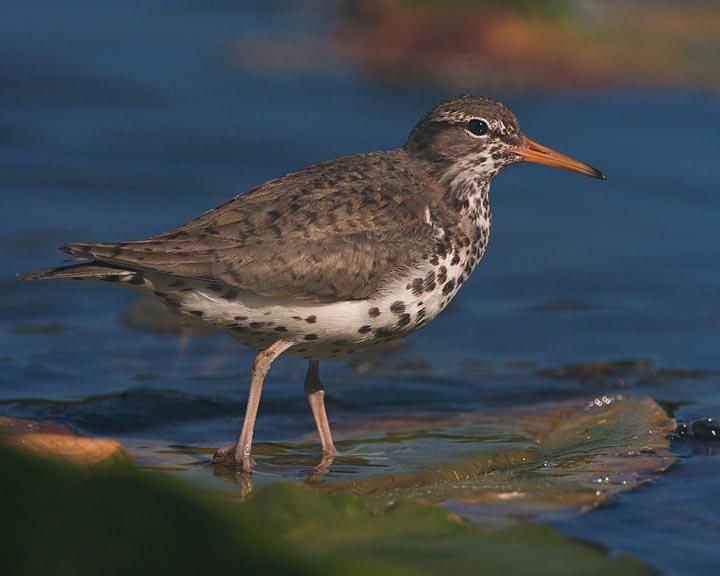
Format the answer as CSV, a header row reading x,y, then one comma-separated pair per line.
x,y
332,231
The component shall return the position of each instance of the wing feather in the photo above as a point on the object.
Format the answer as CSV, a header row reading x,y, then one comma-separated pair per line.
x,y
332,231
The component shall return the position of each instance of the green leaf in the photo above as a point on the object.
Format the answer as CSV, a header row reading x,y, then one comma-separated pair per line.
x,y
64,519
541,461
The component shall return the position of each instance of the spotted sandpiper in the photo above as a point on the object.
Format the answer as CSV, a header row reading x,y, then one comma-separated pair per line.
x,y
335,257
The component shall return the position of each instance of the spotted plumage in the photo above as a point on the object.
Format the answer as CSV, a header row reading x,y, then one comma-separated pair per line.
x,y
336,257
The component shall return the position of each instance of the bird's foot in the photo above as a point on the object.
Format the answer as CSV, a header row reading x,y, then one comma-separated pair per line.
x,y
324,466
317,474
229,456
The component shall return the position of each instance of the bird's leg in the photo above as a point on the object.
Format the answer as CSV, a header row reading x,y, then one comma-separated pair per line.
x,y
240,451
316,397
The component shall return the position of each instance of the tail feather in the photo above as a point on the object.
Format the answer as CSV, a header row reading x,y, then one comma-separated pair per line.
x,y
83,271
90,251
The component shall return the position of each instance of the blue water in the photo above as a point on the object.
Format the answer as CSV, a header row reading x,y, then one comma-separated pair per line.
x,y
121,120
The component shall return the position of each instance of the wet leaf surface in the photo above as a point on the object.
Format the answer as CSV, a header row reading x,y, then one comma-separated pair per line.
x,y
548,460
489,466
492,467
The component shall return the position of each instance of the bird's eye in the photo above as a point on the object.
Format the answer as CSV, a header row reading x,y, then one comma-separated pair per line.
x,y
477,127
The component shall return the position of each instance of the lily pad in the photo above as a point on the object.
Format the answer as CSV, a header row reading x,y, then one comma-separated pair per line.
x,y
491,467
540,461
414,538
496,465
68,519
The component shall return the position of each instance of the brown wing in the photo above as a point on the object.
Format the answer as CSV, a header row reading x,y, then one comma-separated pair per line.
x,y
331,231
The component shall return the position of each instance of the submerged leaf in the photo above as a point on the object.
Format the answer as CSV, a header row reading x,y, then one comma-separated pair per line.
x,y
551,459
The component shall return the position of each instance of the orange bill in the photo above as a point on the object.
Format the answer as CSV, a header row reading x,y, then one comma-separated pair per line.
x,y
533,152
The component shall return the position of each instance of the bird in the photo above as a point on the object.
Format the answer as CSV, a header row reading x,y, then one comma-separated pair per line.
x,y
333,258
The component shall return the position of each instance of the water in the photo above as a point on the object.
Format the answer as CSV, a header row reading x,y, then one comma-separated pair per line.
x,y
118,122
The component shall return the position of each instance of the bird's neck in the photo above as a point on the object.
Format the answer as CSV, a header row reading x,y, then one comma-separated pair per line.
x,y
465,184
470,198
466,191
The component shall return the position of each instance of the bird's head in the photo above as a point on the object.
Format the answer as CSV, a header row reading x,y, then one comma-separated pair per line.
x,y
475,137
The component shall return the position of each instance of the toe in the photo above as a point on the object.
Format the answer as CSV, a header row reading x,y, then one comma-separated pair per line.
x,y
224,454
228,456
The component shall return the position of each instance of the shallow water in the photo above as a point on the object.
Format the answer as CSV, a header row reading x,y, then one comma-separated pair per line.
x,y
119,123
